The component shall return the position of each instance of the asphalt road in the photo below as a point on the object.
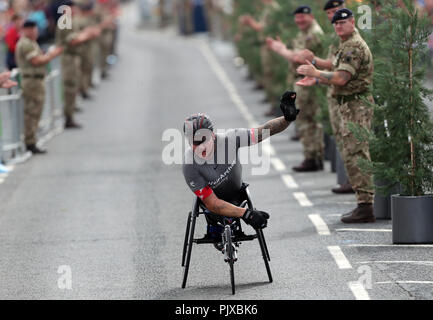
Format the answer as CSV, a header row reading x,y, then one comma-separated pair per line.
x,y
103,205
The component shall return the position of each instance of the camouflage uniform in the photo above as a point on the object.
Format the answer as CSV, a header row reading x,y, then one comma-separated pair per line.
x,y
354,56
106,38
310,129
71,66
86,53
32,84
334,116
265,53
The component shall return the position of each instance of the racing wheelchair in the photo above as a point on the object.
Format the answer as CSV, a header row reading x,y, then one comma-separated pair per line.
x,y
231,237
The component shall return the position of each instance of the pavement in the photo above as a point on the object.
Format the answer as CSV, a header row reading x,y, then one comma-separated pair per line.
x,y
101,216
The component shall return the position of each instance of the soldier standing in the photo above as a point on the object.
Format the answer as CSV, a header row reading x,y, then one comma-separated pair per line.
x,y
71,39
31,62
350,80
106,38
265,56
86,19
310,129
331,7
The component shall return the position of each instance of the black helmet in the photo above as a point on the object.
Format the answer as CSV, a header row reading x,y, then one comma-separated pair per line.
x,y
195,122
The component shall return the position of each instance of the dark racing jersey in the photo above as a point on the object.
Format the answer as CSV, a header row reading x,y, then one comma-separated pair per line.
x,y
222,173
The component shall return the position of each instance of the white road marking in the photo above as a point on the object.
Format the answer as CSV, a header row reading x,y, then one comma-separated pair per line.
x,y
302,199
2,180
426,263
268,149
392,245
278,164
321,227
289,181
358,290
339,257
363,230
405,282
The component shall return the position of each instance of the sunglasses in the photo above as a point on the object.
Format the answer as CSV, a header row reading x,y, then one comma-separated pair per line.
x,y
198,142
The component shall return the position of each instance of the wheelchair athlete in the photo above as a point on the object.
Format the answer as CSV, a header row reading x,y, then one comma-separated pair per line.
x,y
212,169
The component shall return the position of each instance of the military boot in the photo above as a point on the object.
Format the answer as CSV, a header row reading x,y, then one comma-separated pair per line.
x,y
35,150
362,213
308,165
295,137
71,124
344,189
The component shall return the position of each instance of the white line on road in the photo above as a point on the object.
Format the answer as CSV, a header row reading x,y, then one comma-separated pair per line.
x,y
2,180
302,199
289,181
426,263
321,227
363,230
405,282
227,83
339,257
358,290
278,164
392,245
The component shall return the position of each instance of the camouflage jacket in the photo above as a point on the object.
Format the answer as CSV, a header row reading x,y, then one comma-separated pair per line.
x,y
354,56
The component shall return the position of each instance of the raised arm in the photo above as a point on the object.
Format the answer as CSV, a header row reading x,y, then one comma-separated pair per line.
x,y
280,48
280,124
272,127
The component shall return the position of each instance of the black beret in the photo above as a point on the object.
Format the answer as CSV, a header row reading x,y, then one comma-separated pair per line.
x,y
69,3
29,24
302,9
333,4
342,14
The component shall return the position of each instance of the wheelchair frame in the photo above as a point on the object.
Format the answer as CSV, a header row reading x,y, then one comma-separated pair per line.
x,y
190,240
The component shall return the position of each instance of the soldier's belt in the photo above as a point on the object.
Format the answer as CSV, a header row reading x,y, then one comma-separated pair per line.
x,y
349,98
34,76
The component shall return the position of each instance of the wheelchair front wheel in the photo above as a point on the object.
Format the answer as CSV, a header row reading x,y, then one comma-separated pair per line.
x,y
230,255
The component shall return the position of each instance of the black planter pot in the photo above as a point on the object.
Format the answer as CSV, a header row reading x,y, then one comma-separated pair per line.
x,y
341,171
382,203
412,219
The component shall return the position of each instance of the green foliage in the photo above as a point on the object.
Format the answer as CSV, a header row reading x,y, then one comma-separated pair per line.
x,y
401,142
284,27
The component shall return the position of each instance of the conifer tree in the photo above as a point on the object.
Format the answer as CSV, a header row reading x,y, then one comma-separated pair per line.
x,y
401,142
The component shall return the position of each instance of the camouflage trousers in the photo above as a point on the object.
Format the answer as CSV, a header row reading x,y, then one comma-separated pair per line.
x,y
105,45
309,128
357,112
34,98
266,80
71,82
86,68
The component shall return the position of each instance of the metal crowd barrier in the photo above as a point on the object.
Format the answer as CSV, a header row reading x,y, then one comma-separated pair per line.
x,y
12,147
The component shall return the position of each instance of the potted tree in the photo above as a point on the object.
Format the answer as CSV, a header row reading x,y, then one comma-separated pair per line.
x,y
405,141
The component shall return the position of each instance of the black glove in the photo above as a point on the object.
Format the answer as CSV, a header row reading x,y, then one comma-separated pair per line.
x,y
256,219
288,106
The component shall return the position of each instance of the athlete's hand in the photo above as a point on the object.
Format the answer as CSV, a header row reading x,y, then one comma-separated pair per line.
x,y
288,106
256,219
